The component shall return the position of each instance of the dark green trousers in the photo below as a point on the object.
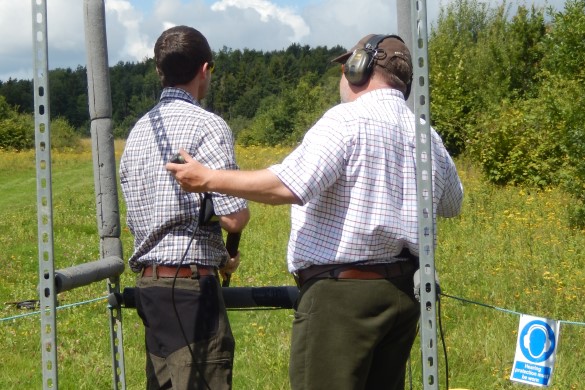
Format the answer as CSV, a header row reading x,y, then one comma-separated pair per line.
x,y
353,334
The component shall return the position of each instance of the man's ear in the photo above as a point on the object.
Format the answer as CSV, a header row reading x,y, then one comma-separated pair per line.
x,y
203,71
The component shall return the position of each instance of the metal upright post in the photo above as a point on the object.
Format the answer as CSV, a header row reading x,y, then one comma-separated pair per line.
x,y
428,293
47,292
104,166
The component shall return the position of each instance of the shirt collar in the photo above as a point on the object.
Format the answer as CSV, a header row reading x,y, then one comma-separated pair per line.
x,y
382,94
170,93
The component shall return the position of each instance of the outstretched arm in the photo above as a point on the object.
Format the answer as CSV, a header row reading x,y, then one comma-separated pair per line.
x,y
261,186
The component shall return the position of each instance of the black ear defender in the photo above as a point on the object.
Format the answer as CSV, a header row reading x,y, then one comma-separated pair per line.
x,y
358,67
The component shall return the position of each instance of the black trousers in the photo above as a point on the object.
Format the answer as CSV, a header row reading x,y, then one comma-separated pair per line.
x,y
189,342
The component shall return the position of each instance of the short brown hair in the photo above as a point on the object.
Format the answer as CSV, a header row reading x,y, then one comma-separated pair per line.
x,y
179,53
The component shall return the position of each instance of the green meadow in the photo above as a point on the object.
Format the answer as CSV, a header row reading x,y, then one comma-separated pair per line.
x,y
511,251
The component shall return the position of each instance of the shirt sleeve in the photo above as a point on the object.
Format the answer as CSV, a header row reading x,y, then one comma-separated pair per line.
x,y
216,150
452,190
318,162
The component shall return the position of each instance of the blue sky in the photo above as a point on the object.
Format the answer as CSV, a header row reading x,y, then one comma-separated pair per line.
x,y
134,25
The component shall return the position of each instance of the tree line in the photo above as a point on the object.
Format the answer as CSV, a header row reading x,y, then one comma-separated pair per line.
x,y
506,91
242,81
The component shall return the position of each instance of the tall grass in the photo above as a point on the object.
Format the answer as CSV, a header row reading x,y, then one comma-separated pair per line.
x,y
510,248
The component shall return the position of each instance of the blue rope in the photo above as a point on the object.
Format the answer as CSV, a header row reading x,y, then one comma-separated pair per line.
x,y
58,308
503,310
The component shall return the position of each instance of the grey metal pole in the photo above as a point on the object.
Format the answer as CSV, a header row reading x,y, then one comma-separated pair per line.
x,y
87,273
104,165
48,299
404,20
426,228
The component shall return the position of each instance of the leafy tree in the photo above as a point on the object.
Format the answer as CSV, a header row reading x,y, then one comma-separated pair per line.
x,y
479,58
244,78
5,109
16,129
68,95
511,96
451,51
286,118
63,135
18,93
565,44
563,76
523,142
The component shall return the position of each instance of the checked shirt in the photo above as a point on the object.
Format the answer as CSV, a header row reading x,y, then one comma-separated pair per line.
x,y
355,175
161,216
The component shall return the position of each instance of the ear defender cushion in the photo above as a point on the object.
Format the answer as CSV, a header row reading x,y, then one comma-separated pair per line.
x,y
357,68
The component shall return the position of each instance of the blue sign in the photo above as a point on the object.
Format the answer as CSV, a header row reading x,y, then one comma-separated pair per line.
x,y
538,341
535,351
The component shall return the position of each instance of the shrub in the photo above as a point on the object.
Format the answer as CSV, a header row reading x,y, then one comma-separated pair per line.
x,y
285,119
480,57
518,144
63,135
17,132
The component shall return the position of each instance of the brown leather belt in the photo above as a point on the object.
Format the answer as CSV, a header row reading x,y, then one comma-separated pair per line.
x,y
353,271
185,271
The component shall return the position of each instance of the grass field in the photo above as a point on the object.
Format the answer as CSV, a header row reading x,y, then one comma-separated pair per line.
x,y
510,248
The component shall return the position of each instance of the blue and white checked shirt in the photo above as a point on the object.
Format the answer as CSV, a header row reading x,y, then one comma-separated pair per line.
x,y
161,216
355,176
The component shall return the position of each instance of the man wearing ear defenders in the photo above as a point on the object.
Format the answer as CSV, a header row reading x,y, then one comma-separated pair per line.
x,y
353,246
189,343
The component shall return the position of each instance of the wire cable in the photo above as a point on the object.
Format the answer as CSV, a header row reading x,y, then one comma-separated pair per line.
x,y
443,341
195,231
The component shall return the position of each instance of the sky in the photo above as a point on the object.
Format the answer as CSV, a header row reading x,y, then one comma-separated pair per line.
x,y
133,26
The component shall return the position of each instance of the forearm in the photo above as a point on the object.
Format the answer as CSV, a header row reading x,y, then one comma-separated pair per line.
x,y
236,222
260,186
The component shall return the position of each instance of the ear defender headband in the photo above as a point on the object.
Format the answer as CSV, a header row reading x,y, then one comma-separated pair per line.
x,y
359,66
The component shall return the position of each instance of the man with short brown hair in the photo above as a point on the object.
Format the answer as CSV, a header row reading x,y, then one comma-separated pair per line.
x,y
188,338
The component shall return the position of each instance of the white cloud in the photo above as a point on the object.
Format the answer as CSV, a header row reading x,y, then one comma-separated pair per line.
x,y
13,17
136,45
167,25
269,11
344,22
65,25
65,36
134,25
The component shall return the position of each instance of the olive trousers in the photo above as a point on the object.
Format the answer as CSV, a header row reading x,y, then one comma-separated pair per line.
x,y
353,334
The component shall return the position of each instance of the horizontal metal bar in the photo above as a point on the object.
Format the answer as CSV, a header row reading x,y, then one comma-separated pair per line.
x,y
87,273
283,297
